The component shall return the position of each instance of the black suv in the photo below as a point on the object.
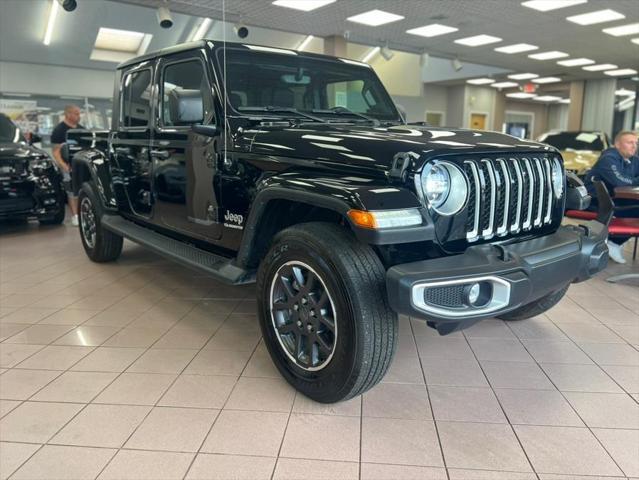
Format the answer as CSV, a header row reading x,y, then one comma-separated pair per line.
x,y
30,181
297,171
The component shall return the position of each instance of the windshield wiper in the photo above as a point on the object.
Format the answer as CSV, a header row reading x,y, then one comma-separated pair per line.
x,y
273,109
346,111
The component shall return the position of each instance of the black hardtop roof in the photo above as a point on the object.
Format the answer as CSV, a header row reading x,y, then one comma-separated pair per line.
x,y
212,45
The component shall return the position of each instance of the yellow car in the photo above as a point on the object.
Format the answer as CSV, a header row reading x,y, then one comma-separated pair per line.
x,y
580,149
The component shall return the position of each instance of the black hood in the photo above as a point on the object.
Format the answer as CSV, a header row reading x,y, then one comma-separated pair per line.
x,y
16,151
375,147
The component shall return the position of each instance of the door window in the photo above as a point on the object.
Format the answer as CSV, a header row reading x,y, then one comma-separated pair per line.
x,y
186,97
136,99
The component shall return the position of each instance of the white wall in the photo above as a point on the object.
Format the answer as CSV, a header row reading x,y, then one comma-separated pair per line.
x,y
599,100
558,117
54,80
455,101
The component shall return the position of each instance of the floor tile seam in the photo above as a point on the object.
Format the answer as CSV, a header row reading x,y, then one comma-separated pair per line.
x,y
430,403
572,406
501,406
24,462
590,357
26,358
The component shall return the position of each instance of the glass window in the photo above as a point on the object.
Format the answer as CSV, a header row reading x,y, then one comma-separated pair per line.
x,y
186,98
136,99
575,141
313,85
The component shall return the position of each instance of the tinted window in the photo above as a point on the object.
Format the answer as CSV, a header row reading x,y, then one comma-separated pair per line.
x,y
136,99
575,141
308,84
186,97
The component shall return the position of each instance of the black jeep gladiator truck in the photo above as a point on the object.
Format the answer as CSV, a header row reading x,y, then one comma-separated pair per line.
x,y
297,171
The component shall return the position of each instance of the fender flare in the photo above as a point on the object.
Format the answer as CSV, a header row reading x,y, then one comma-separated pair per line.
x,y
95,163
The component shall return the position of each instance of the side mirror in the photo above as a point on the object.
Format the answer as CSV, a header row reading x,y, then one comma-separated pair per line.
x,y
206,130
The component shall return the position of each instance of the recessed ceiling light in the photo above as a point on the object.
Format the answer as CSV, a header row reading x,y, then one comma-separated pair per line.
x,y
432,30
624,92
118,40
548,55
480,81
505,84
635,40
478,40
375,18
576,62
564,100
600,67
304,5
631,29
600,16
548,5
520,95
517,48
546,80
621,72
523,76
547,98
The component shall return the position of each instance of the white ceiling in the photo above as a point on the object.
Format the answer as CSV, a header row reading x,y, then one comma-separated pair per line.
x,y
506,19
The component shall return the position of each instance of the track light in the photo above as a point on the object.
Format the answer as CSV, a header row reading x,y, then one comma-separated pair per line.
x,y
457,65
386,52
241,31
164,17
68,5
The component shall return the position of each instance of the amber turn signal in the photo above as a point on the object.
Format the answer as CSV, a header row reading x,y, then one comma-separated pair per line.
x,y
362,219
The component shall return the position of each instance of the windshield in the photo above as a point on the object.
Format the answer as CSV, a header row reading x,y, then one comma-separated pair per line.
x,y
575,141
9,133
281,84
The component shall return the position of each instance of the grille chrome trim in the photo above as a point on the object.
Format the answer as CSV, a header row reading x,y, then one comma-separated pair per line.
x,y
474,233
531,194
520,196
503,228
540,181
548,169
488,232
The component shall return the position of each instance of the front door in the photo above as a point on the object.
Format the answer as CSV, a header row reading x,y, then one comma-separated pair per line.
x,y
184,161
130,144
478,121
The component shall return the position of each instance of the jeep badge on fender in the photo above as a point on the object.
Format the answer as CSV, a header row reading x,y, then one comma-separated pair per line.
x,y
345,216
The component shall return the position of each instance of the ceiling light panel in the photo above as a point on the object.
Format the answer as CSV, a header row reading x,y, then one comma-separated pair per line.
x,y
517,48
375,18
600,67
548,55
480,81
631,29
547,98
600,16
432,30
576,62
303,5
118,40
53,13
478,40
546,80
621,72
505,84
521,95
635,40
624,92
523,76
548,5
565,100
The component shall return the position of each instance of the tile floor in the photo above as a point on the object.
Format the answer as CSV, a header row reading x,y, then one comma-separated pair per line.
x,y
143,369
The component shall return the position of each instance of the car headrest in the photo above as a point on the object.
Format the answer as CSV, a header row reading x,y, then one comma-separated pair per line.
x,y
283,97
185,107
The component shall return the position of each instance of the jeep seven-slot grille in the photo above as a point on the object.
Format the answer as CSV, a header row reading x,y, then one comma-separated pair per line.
x,y
507,196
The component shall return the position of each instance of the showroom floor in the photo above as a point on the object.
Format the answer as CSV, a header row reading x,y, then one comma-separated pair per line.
x,y
144,369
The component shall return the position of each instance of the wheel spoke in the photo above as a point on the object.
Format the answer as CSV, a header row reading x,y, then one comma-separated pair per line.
x,y
327,322
299,350
281,306
288,288
324,347
286,328
299,277
323,300
309,350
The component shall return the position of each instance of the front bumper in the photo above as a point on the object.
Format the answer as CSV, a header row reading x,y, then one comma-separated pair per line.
x,y
519,273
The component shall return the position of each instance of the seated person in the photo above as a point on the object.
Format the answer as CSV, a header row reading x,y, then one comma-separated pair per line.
x,y
618,167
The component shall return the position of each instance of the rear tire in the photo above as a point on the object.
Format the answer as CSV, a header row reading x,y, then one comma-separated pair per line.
x,y
100,244
537,307
324,313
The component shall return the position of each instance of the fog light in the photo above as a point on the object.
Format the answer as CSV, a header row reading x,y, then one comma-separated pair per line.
x,y
477,294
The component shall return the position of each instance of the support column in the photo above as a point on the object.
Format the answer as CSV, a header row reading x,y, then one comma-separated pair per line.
x,y
576,105
335,45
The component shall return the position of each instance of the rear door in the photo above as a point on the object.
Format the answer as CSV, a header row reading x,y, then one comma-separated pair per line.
x,y
185,175
131,141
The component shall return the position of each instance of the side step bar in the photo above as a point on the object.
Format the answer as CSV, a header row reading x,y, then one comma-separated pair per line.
x,y
219,267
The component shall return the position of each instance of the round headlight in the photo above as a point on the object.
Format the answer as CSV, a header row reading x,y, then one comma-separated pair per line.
x,y
557,177
444,187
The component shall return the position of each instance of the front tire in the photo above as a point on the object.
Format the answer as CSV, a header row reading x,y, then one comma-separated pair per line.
x,y
537,307
324,313
100,244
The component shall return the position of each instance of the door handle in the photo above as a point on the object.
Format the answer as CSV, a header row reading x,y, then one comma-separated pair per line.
x,y
161,154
